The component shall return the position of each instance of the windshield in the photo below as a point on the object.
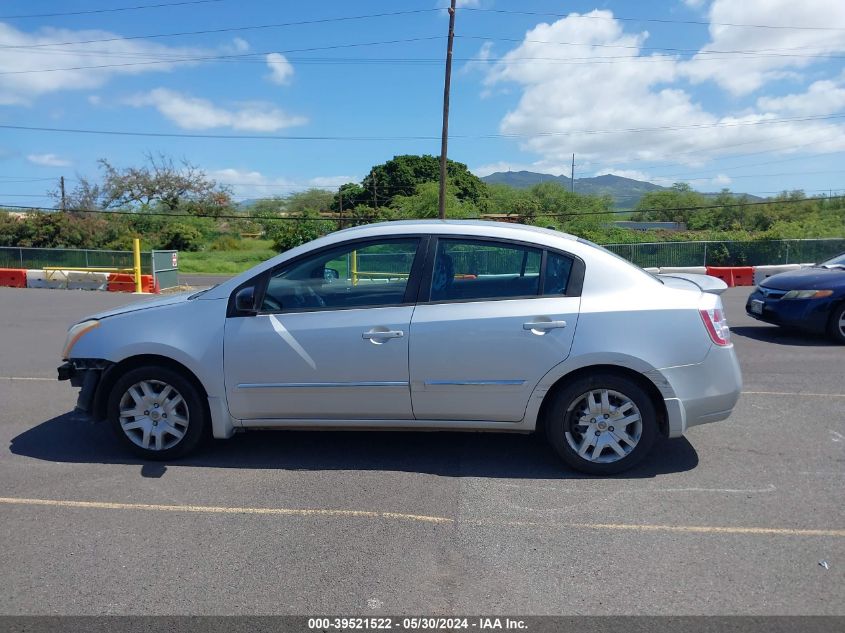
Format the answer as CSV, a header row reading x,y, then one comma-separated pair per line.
x,y
838,261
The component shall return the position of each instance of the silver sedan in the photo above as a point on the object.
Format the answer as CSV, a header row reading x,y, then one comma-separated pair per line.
x,y
419,325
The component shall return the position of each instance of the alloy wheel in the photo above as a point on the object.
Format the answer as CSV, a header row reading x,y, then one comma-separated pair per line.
x,y
154,415
603,426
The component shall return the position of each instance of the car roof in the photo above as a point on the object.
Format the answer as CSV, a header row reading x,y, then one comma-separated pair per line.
x,y
473,227
467,228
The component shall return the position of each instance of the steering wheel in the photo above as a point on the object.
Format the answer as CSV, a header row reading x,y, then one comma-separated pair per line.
x,y
306,297
271,303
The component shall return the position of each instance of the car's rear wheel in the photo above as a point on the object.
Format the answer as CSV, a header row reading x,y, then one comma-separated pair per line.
x,y
601,424
157,413
836,326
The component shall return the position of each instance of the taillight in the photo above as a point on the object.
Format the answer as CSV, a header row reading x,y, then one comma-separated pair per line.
x,y
717,326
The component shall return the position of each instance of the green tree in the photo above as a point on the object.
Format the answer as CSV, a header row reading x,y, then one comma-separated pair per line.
x,y
423,203
287,234
313,200
669,205
162,182
401,175
352,194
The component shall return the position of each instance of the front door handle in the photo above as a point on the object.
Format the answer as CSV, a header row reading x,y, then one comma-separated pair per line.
x,y
542,326
376,334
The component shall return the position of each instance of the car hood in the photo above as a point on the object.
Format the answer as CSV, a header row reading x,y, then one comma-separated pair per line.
x,y
147,304
815,278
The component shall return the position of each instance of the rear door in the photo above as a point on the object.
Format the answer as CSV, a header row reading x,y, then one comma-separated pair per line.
x,y
493,318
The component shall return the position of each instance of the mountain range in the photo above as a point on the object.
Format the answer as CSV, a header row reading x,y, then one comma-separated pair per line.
x,y
626,192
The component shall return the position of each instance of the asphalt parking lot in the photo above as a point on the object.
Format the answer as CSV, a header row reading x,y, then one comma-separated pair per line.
x,y
733,519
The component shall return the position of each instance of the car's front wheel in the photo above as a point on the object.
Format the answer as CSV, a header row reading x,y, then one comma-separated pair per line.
x,y
836,326
156,413
601,424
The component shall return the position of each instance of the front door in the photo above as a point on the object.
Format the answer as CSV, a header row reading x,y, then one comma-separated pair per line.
x,y
330,340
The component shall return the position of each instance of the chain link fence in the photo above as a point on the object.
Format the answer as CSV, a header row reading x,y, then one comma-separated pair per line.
x,y
162,264
729,253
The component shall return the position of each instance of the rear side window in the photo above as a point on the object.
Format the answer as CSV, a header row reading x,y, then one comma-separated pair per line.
x,y
471,270
558,272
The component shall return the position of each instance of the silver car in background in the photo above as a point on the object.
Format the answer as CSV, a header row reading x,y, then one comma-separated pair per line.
x,y
449,325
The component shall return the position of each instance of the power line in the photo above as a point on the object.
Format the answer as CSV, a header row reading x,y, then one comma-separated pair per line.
x,y
233,56
422,137
229,29
418,61
763,52
114,10
656,20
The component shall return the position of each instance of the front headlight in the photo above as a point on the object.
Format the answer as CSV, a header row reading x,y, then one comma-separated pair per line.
x,y
75,333
807,294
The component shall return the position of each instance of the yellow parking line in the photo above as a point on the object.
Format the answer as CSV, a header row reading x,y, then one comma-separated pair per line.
x,y
421,518
793,393
304,512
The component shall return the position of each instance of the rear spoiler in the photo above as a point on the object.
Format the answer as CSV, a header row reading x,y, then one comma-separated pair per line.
x,y
705,283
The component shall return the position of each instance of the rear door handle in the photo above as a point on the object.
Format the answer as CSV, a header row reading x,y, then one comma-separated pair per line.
x,y
542,326
374,334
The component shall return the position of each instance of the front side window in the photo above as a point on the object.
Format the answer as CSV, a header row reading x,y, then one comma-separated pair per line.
x,y
354,275
472,270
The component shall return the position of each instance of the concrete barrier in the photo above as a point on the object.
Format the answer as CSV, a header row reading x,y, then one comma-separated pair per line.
x,y
46,278
84,280
690,270
764,272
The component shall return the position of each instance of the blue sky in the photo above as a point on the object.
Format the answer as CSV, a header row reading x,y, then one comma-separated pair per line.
x,y
696,90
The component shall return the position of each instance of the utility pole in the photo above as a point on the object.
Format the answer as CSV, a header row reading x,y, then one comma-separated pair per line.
x,y
340,207
572,178
62,187
375,196
444,141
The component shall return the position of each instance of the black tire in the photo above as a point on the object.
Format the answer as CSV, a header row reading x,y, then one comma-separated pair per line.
x,y
834,330
190,408
565,411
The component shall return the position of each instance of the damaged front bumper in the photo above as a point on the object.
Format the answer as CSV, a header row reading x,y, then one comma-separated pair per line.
x,y
85,373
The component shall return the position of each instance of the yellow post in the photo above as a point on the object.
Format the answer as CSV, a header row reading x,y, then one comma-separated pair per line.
x,y
354,268
136,248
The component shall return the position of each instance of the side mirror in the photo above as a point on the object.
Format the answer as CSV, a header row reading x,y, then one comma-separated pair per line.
x,y
245,300
330,274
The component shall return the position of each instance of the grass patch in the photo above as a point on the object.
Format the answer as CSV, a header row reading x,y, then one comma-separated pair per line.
x,y
245,254
222,262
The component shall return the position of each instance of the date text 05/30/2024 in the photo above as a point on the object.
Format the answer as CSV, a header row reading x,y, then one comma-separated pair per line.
x,y
415,623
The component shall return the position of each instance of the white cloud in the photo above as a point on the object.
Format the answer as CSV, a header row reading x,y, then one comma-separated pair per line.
x,y
254,184
281,70
193,113
48,160
695,4
722,180
744,74
95,100
628,109
240,45
822,97
25,52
